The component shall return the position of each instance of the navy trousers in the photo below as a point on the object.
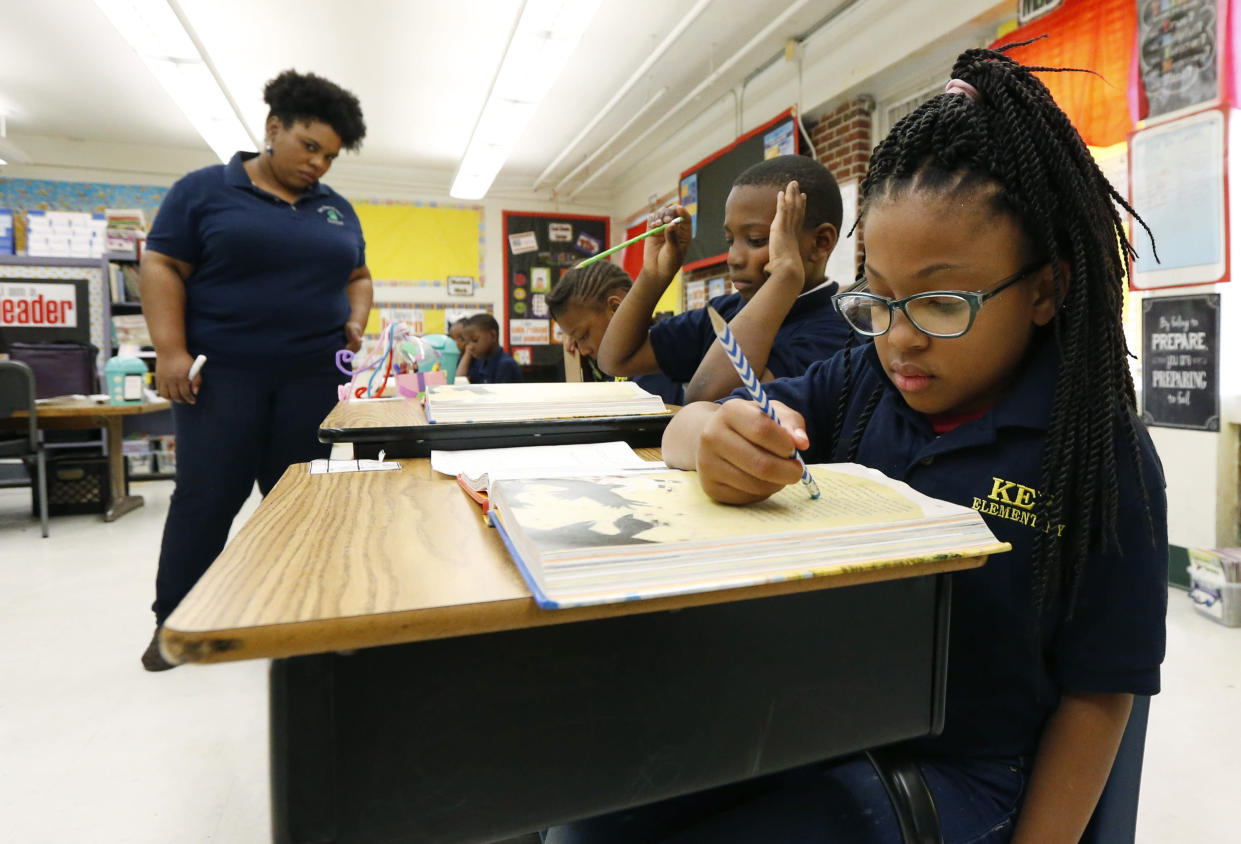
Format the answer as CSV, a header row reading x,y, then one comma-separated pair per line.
x,y
837,802
248,425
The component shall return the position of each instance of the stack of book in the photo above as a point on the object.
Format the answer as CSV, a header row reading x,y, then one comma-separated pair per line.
x,y
127,228
604,539
453,403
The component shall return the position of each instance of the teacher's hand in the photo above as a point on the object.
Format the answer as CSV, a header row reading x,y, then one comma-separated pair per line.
x,y
353,336
172,377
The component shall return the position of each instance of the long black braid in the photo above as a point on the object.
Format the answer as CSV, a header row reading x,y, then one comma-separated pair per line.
x,y
1016,147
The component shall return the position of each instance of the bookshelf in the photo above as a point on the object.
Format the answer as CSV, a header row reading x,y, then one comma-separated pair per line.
x,y
126,307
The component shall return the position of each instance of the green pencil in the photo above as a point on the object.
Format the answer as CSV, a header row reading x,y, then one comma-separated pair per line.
x,y
605,253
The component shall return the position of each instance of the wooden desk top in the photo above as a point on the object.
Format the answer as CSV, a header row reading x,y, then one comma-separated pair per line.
x,y
344,561
86,408
384,413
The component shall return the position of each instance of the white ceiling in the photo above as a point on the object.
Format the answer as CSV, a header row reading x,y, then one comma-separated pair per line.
x,y
421,68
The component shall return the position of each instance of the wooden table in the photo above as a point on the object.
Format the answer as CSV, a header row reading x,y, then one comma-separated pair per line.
x,y
399,427
418,694
83,413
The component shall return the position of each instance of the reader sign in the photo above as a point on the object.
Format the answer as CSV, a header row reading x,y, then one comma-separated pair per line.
x,y
37,305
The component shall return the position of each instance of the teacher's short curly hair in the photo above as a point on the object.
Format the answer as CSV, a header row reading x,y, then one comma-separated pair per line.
x,y
294,97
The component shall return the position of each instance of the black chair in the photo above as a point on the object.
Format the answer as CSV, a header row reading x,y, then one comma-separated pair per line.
x,y
17,392
1115,818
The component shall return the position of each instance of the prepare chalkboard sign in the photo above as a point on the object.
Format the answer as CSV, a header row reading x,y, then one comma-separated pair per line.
x,y
1180,361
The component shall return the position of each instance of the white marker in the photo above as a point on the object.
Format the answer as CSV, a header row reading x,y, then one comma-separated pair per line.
x,y
197,366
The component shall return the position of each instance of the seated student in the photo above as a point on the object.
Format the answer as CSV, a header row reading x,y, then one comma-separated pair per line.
x,y
997,379
456,330
781,313
582,303
485,361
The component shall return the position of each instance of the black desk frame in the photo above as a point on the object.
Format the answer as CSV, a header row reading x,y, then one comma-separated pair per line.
x,y
419,440
484,737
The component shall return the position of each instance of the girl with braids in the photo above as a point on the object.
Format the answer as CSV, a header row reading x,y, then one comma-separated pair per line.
x,y
997,379
583,303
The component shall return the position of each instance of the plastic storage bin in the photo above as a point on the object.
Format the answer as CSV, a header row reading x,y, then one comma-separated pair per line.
x,y
1215,597
74,486
125,377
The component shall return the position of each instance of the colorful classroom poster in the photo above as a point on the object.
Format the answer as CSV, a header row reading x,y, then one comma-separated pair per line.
x,y
1178,54
529,332
1178,185
695,295
779,141
523,242
689,199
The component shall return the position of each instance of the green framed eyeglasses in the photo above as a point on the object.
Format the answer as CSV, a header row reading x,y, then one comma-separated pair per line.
x,y
936,313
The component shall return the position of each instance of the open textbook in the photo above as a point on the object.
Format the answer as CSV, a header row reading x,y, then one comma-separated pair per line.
x,y
478,468
449,403
610,538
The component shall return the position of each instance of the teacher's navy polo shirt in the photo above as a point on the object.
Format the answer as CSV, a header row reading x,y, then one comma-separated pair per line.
x,y
269,277
1001,687
500,368
812,331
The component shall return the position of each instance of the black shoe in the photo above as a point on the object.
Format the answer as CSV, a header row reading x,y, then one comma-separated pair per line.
x,y
152,659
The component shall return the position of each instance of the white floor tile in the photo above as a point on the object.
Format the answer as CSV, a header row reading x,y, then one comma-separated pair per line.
x,y
94,749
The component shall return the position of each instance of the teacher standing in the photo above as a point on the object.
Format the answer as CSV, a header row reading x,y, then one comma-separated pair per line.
x,y
262,268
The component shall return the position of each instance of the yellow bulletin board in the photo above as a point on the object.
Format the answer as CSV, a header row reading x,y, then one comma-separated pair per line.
x,y
422,242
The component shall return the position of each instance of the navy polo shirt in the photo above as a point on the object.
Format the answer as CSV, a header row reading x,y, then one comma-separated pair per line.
x,y
500,368
269,277
1002,685
812,331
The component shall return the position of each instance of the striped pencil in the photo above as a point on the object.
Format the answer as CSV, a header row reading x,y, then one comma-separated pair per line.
x,y
752,385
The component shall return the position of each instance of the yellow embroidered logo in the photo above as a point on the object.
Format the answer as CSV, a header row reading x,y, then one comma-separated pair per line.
x,y
1012,501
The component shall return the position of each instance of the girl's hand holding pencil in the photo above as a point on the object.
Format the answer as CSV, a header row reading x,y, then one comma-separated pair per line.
x,y
745,456
665,250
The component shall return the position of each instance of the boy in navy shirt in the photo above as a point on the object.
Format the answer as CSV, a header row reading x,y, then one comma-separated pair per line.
x,y
485,360
781,220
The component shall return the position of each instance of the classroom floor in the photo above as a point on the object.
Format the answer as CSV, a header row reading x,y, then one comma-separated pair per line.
x,y
94,749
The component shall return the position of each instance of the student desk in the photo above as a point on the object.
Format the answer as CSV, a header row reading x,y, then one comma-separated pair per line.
x,y
83,413
399,427
418,694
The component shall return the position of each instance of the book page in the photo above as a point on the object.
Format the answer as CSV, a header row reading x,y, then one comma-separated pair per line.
x,y
539,460
536,393
670,507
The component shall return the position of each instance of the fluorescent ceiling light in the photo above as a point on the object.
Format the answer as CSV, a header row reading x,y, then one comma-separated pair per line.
x,y
546,35
3,162
155,30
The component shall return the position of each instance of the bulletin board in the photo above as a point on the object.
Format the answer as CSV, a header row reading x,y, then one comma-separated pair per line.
x,y
422,243
705,186
538,249
1178,183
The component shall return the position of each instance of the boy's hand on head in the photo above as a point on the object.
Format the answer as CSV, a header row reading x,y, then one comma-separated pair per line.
x,y
784,260
665,252
744,456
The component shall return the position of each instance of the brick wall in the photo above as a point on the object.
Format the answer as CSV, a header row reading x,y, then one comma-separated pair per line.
x,y
842,139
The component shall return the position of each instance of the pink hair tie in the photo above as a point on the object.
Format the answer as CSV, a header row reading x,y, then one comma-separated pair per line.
x,y
960,86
